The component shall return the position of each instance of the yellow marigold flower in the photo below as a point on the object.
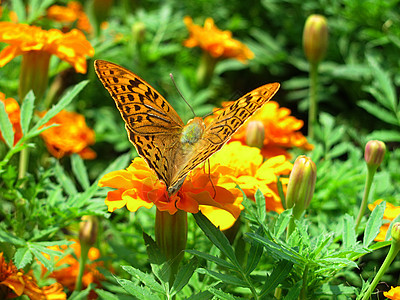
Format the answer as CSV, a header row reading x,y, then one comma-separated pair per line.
x,y
138,186
14,283
70,14
14,114
72,47
393,293
71,136
67,268
247,169
281,130
218,43
391,212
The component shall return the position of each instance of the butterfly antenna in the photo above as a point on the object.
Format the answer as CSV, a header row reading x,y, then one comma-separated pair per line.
x,y
173,80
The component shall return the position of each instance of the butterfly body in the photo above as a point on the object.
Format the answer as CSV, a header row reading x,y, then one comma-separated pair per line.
x,y
171,148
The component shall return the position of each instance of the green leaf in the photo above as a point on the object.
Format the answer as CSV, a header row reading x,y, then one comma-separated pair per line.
x,y
27,111
379,112
147,279
11,239
294,291
64,180
282,222
349,233
81,295
79,169
260,204
39,256
140,292
215,259
106,295
65,100
216,237
255,254
221,295
278,275
336,290
184,274
6,128
385,135
22,257
374,224
154,253
228,279
19,7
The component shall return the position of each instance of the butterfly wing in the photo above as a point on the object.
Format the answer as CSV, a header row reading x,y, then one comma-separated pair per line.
x,y
152,124
219,131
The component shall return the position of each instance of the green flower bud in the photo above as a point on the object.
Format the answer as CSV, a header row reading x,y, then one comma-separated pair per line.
x,y
88,230
315,38
301,185
374,153
396,232
255,134
139,32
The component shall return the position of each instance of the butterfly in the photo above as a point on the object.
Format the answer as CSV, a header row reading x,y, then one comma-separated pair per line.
x,y
171,148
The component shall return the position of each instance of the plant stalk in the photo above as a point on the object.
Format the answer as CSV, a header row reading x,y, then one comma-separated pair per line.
x,y
313,105
368,183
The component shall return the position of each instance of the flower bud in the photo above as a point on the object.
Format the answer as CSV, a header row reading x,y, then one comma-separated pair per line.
x,y
315,38
139,32
301,185
88,230
396,232
374,153
255,134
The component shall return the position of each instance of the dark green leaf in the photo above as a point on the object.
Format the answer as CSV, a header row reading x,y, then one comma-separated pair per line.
x,y
64,180
140,292
294,291
216,237
208,257
255,254
153,252
221,295
278,275
228,279
184,274
147,279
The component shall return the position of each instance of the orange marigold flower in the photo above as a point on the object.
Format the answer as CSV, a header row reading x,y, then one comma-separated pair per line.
x,y
67,268
71,47
14,114
138,186
391,212
14,283
281,130
70,14
218,43
71,136
248,170
393,293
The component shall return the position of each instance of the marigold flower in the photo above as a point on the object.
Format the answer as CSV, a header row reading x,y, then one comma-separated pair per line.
x,y
281,130
14,283
218,43
70,14
71,47
393,293
67,268
71,136
245,166
14,114
138,186
391,212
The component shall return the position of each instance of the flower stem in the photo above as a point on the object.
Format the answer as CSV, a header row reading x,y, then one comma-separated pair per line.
x,y
367,188
23,162
82,265
313,105
394,249
303,292
205,70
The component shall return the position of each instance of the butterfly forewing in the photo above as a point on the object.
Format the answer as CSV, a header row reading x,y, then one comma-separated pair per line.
x,y
219,131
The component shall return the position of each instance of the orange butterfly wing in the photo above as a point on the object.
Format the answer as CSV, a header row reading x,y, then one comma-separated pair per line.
x,y
153,126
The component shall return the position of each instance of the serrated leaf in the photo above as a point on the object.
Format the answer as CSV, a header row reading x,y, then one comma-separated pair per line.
x,y
379,112
153,252
294,291
64,101
349,233
64,180
79,169
22,257
255,254
106,295
46,262
221,295
385,135
27,112
6,128
279,273
141,292
374,224
147,279
184,274
216,237
260,203
226,278
282,222
215,259
9,238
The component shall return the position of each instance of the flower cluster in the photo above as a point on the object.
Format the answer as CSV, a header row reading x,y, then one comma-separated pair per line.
x,y
391,212
14,282
218,43
72,47
71,136
70,14
14,114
